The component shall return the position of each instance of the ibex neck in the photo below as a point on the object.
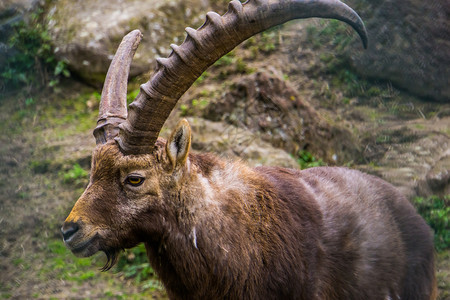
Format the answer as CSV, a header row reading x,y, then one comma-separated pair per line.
x,y
226,227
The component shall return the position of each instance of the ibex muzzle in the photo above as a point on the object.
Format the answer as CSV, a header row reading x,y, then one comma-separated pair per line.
x,y
217,229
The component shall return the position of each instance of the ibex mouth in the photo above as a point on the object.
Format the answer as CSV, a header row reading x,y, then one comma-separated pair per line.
x,y
84,248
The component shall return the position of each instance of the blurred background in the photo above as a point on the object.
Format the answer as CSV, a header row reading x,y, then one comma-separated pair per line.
x,y
300,95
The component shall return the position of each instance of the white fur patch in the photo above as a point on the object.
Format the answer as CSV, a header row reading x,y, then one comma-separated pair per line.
x,y
209,194
194,237
229,179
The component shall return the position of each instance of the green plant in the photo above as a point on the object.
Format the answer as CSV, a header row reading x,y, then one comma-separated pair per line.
x,y
306,160
270,39
242,67
40,166
230,64
33,62
76,175
184,110
200,103
225,60
195,107
201,78
64,265
130,96
436,212
133,263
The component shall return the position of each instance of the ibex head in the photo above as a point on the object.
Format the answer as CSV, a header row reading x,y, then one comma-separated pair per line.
x,y
129,197
137,178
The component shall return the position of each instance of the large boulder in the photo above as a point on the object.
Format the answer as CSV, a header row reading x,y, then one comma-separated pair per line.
x,y
86,33
409,45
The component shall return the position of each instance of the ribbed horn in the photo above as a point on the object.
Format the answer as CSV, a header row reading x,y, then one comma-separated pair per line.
x,y
113,103
202,47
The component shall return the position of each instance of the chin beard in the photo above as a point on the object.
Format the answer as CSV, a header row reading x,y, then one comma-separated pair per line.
x,y
112,256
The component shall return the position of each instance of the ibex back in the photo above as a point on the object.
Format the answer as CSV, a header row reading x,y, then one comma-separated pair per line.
x,y
217,229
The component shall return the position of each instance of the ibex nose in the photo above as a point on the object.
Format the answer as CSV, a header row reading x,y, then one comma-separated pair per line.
x,y
69,229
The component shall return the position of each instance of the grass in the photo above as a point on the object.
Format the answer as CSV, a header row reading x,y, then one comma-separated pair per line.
x,y
71,267
39,258
443,274
307,160
63,115
75,175
61,264
54,262
134,264
436,211
265,43
229,64
195,107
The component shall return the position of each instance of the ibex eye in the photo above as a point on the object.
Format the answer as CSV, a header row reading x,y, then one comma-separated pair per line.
x,y
134,180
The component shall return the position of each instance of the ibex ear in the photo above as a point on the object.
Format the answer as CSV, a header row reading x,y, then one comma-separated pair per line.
x,y
177,147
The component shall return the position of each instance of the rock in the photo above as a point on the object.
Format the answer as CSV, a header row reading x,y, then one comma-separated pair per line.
x,y
417,168
439,175
266,104
86,33
409,45
437,179
236,143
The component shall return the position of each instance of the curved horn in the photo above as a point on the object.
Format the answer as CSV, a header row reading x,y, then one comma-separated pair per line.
x,y
113,103
202,47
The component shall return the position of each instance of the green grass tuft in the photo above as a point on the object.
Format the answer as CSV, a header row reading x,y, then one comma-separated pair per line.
x,y
306,160
436,212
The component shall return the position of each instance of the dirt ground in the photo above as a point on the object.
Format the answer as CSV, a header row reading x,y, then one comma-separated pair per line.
x,y
45,156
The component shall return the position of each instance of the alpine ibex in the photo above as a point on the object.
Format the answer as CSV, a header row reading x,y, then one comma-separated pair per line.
x,y
217,229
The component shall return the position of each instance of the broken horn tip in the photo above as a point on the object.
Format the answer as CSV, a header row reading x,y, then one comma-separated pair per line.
x,y
135,35
135,31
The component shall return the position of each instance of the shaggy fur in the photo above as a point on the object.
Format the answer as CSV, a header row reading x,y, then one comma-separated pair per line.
x,y
216,229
